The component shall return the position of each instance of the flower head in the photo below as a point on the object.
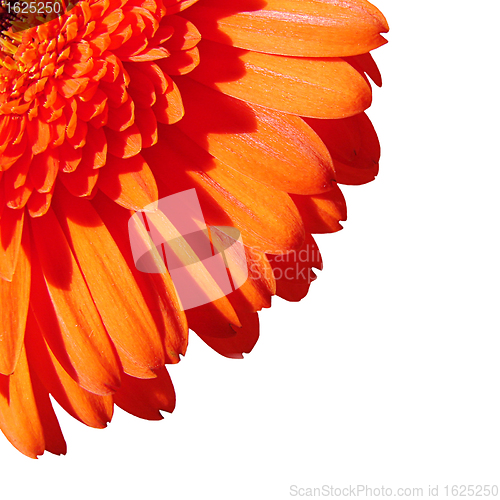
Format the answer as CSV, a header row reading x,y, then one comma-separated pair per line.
x,y
258,105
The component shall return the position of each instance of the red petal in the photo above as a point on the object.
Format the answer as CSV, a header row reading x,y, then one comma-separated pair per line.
x,y
243,340
354,147
144,398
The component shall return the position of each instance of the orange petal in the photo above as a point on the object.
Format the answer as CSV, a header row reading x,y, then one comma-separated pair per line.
x,y
17,173
120,119
17,198
107,275
96,146
79,137
39,203
91,409
69,157
14,301
66,312
185,36
25,417
175,6
124,144
43,170
93,107
128,182
148,127
273,148
180,62
145,398
313,28
169,107
12,153
319,88
39,135
82,181
11,230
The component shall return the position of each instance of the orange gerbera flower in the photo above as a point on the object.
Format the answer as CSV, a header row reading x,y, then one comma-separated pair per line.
x,y
257,104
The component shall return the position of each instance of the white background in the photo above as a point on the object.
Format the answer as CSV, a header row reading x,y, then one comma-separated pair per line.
x,y
388,372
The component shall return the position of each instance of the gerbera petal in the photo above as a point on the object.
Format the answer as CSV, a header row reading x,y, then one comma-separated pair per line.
x,y
145,398
39,134
354,147
214,319
17,198
12,153
242,341
186,35
313,28
11,230
39,203
17,173
69,157
366,64
91,409
293,271
141,88
43,170
169,107
323,212
14,302
319,88
273,148
52,434
25,417
66,312
254,294
175,6
148,126
124,144
128,182
180,62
